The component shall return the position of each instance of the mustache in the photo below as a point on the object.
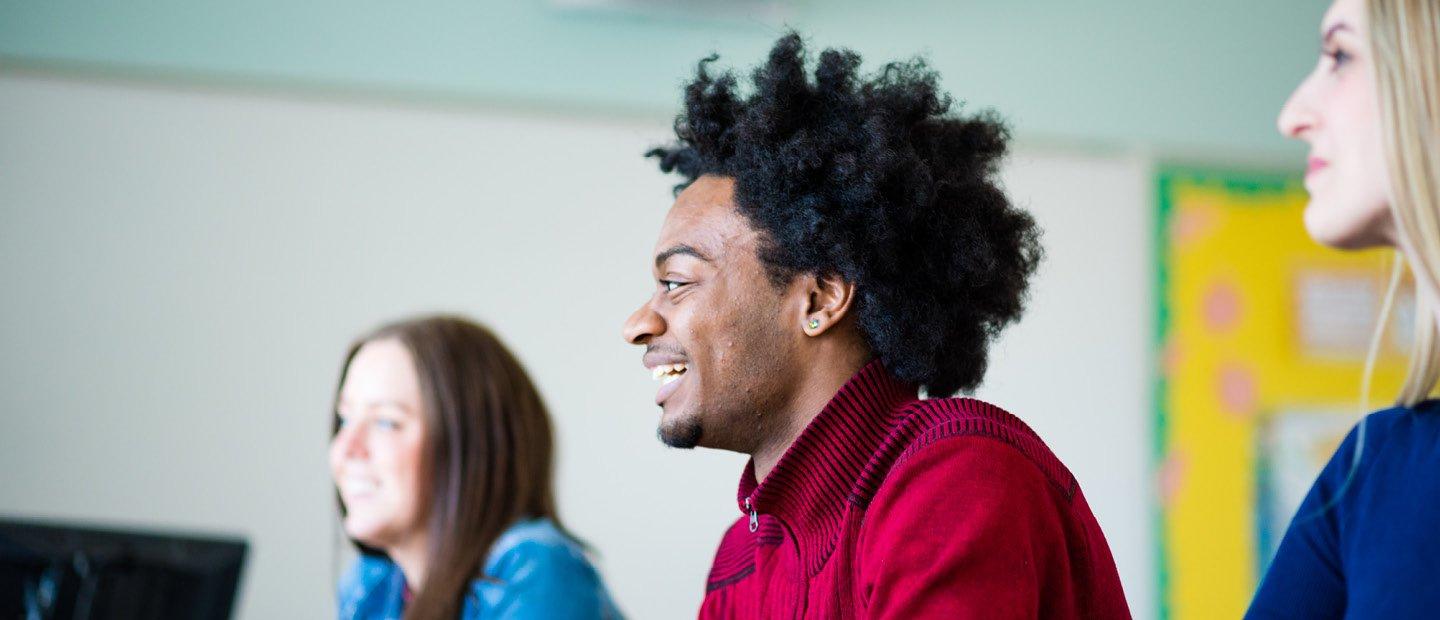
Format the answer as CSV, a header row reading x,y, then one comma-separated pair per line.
x,y
667,350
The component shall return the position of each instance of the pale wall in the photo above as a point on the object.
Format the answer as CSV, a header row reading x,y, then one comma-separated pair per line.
x,y
182,269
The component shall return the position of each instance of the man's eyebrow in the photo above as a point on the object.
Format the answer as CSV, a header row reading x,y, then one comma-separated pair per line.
x,y
1330,32
679,249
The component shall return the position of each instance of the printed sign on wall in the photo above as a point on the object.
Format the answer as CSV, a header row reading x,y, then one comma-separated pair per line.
x,y
1262,338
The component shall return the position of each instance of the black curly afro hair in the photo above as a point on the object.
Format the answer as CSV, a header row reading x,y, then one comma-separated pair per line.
x,y
871,178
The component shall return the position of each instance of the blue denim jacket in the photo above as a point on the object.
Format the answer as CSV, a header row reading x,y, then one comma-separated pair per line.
x,y
536,571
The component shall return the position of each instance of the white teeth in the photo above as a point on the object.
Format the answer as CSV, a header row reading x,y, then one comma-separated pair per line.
x,y
667,372
354,485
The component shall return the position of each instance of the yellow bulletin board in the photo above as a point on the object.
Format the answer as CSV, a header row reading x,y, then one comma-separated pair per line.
x,y
1261,343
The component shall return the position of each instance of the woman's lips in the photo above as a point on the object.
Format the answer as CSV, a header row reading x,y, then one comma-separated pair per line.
x,y
1315,164
358,489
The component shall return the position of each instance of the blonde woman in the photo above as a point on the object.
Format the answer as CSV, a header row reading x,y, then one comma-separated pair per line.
x,y
1366,541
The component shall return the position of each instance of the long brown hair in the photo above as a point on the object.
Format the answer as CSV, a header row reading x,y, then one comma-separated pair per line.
x,y
487,450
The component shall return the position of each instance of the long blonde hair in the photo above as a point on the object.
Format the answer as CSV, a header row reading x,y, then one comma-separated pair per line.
x,y
1405,44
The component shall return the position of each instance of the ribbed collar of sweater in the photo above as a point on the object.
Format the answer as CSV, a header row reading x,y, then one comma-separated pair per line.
x,y
810,486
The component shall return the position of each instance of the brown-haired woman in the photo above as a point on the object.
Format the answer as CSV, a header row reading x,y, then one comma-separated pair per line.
x,y
441,454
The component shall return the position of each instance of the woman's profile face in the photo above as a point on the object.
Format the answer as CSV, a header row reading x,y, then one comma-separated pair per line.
x,y
375,457
1336,110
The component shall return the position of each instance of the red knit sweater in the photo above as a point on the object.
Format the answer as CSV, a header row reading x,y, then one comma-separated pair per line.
x,y
887,506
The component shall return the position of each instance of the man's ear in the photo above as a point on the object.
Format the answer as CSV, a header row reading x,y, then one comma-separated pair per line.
x,y
828,300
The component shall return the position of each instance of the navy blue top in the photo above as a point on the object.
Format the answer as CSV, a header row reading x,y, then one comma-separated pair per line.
x,y
1370,549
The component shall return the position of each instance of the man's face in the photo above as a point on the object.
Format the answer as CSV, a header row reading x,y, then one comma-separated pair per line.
x,y
718,334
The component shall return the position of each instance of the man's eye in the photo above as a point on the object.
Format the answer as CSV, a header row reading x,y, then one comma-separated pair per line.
x,y
671,285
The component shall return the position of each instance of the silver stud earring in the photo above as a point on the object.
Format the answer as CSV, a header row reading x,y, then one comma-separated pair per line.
x,y
814,323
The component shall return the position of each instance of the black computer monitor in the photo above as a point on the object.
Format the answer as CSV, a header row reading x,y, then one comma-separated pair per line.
x,y
57,571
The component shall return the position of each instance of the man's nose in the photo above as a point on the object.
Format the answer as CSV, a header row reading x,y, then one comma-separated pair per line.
x,y
643,325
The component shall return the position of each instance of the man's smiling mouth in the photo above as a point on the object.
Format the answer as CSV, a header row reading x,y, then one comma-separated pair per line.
x,y
669,376
668,373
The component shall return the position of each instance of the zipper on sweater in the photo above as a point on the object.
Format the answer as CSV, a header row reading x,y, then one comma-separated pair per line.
x,y
754,517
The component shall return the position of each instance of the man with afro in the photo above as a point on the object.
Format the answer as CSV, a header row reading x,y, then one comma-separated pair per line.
x,y
838,244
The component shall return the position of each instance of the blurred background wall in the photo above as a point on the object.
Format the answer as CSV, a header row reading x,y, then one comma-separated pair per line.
x,y
200,206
